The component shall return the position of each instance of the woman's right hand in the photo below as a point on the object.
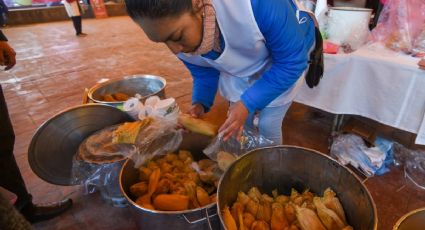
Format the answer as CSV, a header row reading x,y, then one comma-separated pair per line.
x,y
197,110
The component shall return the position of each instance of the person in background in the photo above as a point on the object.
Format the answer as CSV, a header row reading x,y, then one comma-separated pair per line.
x,y
3,11
10,176
255,52
74,11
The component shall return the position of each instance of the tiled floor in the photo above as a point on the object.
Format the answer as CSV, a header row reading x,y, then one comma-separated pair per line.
x,y
54,67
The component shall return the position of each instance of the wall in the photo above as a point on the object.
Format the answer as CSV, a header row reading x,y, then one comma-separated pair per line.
x,y
54,13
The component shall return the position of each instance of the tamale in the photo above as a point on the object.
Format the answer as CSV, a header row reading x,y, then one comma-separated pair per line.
x,y
308,220
229,222
328,217
197,125
332,202
278,219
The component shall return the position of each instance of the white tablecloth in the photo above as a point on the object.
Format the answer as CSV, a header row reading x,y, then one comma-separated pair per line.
x,y
372,82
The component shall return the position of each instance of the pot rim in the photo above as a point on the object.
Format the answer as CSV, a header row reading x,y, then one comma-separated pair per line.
x,y
156,211
375,213
135,76
404,217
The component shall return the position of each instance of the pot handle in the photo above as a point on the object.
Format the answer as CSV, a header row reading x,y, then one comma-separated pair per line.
x,y
207,218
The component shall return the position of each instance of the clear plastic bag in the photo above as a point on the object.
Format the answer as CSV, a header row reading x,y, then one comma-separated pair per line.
x,y
160,137
101,172
413,163
399,24
225,152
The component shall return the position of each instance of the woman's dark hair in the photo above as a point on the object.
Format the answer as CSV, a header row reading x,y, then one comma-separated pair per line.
x,y
157,8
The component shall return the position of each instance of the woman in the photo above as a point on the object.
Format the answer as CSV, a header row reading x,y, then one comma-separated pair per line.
x,y
73,9
255,52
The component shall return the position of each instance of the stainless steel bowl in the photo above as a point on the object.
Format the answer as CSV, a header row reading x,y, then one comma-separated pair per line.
x,y
414,220
198,218
145,85
286,167
56,141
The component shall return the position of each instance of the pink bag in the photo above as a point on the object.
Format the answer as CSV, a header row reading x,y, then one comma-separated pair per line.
x,y
399,24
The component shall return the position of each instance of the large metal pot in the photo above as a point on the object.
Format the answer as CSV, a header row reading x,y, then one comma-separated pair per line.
x,y
414,220
286,167
144,85
201,218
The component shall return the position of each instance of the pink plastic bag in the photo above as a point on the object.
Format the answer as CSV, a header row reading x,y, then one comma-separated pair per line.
x,y
399,24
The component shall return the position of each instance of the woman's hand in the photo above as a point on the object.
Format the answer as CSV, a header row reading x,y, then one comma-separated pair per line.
x,y
7,55
197,110
235,121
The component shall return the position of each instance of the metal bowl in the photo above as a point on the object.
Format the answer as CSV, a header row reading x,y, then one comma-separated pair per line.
x,y
145,85
286,167
198,218
57,140
414,220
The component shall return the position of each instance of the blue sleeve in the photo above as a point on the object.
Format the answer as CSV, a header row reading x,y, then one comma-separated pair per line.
x,y
205,84
288,43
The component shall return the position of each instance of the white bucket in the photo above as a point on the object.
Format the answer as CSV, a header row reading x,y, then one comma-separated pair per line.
x,y
348,25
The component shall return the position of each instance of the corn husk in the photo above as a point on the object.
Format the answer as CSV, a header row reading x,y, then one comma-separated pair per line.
x,y
260,225
328,217
236,208
332,202
308,220
264,211
248,219
128,132
290,212
282,199
243,198
229,222
254,193
278,219
197,125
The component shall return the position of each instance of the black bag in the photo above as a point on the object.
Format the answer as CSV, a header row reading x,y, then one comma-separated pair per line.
x,y
315,69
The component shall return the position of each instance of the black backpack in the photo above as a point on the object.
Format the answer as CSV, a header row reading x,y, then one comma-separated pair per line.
x,y
315,68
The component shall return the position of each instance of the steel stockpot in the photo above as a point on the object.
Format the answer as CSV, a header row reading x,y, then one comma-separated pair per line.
x,y
201,218
286,167
144,85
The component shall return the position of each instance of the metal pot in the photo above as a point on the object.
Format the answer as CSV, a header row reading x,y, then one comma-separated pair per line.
x,y
145,85
201,218
414,220
286,167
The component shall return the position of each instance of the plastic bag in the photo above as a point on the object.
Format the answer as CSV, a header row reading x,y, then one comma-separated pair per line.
x,y
222,151
399,24
102,173
160,137
413,163
351,149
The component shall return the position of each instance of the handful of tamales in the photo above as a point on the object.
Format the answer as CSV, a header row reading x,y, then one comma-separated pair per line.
x,y
257,211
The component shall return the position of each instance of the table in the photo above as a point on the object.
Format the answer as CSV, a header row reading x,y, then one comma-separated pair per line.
x,y
372,82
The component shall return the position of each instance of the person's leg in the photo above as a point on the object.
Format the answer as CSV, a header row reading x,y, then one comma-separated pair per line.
x,y
11,177
270,122
75,23
79,26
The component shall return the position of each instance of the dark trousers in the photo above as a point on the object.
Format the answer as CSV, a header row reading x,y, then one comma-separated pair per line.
x,y
10,176
77,24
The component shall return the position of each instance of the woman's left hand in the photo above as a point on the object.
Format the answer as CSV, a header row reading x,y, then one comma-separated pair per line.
x,y
235,121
